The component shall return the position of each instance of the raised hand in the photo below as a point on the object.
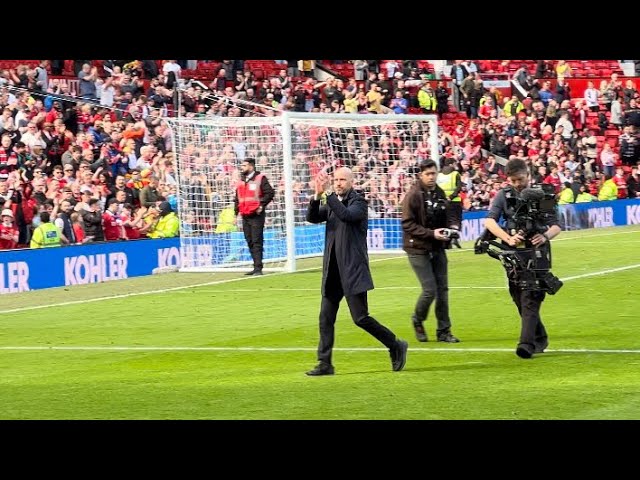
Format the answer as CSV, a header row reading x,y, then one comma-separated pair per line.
x,y
321,182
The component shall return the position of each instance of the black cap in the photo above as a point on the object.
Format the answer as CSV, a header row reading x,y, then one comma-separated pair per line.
x,y
252,161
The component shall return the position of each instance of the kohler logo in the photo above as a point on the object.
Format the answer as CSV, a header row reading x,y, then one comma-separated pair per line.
x,y
14,277
633,214
95,268
601,217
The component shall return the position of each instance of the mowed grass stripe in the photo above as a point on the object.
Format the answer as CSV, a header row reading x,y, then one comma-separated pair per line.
x,y
167,283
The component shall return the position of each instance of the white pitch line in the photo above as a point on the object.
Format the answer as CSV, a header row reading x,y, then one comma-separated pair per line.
x,y
296,349
165,290
584,237
267,290
602,272
219,282
618,242
566,279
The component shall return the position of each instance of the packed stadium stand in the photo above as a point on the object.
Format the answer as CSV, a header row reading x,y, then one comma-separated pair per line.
x,y
77,130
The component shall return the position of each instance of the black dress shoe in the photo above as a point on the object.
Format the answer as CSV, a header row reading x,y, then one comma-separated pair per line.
x,y
421,335
250,273
399,355
448,337
541,345
321,369
525,350
254,272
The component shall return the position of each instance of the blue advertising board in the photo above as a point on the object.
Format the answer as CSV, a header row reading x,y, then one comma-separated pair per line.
x,y
32,269
24,270
386,233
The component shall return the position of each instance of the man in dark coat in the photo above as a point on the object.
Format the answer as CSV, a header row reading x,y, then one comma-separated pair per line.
x,y
345,270
93,221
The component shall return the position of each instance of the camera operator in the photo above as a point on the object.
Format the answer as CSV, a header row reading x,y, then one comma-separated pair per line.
x,y
425,222
533,336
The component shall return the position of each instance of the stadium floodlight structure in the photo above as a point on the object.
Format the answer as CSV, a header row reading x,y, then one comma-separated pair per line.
x,y
383,151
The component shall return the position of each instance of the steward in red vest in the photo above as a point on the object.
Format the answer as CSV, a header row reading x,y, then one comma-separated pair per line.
x,y
253,194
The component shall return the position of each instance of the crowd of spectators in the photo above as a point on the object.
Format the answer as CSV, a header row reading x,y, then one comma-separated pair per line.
x,y
98,171
99,160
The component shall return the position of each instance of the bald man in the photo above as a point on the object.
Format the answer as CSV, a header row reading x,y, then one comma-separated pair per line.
x,y
345,270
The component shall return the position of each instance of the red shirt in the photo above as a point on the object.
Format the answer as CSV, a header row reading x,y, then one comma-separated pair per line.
x,y
485,110
112,231
6,237
621,182
78,232
132,232
555,181
52,115
10,160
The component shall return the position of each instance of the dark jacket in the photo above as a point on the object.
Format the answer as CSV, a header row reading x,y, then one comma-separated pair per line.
x,y
130,198
346,233
93,225
633,186
417,224
67,229
148,196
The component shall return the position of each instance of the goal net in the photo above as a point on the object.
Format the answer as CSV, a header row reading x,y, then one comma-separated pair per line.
x,y
383,151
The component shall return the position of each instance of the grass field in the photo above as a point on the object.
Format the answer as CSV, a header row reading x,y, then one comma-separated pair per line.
x,y
224,346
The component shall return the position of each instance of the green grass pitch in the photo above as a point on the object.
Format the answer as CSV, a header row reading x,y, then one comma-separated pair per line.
x,y
238,347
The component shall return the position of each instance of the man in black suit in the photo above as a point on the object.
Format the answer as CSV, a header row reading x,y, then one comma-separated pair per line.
x,y
345,270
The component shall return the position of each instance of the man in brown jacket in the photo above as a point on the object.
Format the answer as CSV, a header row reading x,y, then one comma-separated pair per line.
x,y
425,222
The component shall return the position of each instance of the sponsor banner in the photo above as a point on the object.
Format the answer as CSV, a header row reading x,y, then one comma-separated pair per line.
x,y
387,233
578,216
496,83
73,83
24,270
226,248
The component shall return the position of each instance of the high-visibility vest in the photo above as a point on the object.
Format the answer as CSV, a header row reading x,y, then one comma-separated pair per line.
x,y
249,195
46,235
584,197
167,227
226,221
566,197
448,184
608,191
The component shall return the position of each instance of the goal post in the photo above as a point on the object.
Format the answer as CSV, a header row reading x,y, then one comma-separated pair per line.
x,y
383,151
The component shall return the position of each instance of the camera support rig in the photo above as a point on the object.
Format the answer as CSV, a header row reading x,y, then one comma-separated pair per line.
x,y
528,268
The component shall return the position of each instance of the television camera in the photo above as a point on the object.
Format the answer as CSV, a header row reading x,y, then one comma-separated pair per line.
x,y
527,267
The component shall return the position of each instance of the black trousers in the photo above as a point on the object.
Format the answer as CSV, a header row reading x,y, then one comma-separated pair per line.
x,y
253,228
455,214
432,272
532,330
359,308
